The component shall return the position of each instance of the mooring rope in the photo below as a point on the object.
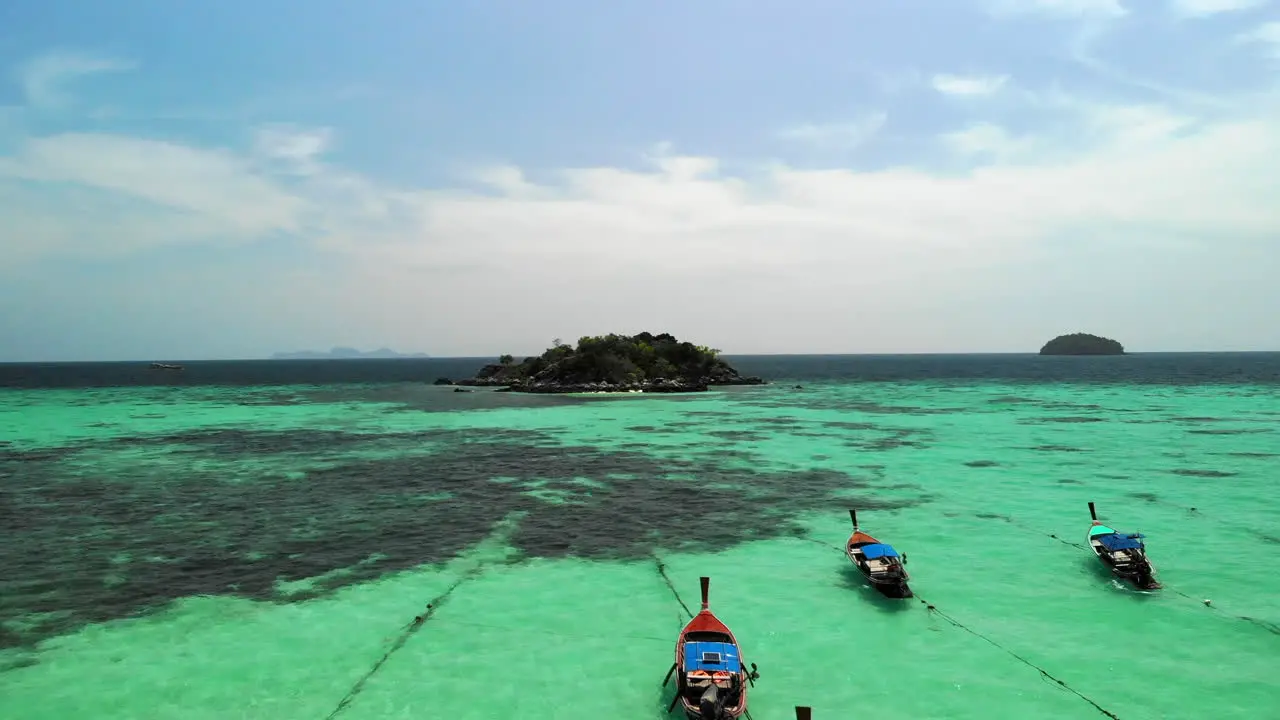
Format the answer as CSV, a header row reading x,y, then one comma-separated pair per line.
x,y
413,626
1044,673
1264,624
662,570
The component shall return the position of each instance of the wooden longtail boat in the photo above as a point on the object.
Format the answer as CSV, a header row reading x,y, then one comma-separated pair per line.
x,y
878,562
1124,554
712,680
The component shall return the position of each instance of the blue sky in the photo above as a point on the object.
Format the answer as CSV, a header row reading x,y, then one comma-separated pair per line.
x,y
227,180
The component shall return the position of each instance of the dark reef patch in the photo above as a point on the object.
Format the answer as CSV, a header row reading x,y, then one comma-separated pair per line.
x,y
84,545
1145,497
1204,473
738,435
1063,419
840,425
982,463
1230,431
776,421
1057,448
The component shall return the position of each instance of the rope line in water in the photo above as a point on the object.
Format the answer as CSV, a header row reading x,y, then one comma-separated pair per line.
x,y
1267,625
1264,624
1044,673
662,570
413,626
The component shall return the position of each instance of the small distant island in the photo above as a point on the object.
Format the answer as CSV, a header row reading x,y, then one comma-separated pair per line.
x,y
612,363
1082,344
344,353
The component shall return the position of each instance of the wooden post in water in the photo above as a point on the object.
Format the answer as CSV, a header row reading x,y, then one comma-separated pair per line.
x,y
803,713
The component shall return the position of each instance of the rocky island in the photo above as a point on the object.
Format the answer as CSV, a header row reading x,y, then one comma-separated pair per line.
x,y
613,363
1082,344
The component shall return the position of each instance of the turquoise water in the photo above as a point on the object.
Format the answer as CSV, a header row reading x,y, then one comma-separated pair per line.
x,y
254,552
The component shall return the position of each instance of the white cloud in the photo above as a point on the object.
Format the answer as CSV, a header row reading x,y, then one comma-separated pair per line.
x,y
968,85
1205,8
298,149
1138,192
1110,165
1059,8
985,139
841,136
1267,35
205,185
44,78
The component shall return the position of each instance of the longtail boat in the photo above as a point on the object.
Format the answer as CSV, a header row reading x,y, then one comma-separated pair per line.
x,y
1123,553
878,562
712,682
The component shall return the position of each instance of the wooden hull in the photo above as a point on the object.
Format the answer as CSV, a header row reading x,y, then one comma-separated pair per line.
x,y
707,627
1139,572
892,585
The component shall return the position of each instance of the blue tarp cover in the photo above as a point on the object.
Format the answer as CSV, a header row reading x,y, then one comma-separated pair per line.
x,y
1119,541
695,657
879,550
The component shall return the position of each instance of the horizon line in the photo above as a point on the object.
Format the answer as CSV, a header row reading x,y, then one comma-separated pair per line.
x,y
722,354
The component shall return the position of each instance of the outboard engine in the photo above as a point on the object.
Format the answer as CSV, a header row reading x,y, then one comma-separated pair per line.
x,y
711,703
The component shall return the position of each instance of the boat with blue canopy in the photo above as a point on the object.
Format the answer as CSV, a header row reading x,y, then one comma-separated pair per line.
x,y
878,562
1123,553
712,683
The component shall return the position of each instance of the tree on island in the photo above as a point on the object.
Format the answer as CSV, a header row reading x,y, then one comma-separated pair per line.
x,y
614,363
1082,344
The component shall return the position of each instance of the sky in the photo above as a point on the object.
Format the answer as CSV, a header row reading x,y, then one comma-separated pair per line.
x,y
232,179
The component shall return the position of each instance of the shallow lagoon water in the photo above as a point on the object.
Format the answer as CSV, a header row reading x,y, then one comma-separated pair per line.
x,y
256,550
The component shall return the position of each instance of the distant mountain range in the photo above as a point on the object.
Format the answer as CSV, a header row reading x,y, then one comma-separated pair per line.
x,y
344,353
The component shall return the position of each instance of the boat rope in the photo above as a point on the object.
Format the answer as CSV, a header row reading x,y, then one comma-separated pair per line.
x,y
662,570
1270,627
1264,624
1043,673
412,627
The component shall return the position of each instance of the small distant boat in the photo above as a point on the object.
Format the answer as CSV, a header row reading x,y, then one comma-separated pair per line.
x,y
712,682
1123,553
165,366
878,562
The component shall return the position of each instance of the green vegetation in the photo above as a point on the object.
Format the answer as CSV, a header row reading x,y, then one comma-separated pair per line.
x,y
614,362
1082,344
